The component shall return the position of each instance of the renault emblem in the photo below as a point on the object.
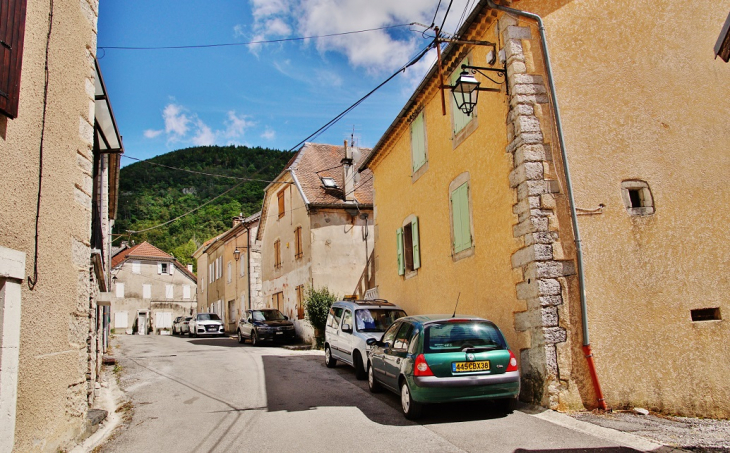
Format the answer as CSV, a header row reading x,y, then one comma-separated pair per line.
x,y
470,357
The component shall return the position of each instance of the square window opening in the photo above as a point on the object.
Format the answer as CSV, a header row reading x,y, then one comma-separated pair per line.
x,y
635,198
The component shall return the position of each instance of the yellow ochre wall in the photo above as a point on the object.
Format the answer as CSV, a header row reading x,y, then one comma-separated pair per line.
x,y
484,282
642,97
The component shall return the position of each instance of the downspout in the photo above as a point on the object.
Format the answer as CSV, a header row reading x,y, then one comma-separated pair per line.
x,y
579,253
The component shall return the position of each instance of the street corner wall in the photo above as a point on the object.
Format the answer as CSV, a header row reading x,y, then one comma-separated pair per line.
x,y
53,387
644,101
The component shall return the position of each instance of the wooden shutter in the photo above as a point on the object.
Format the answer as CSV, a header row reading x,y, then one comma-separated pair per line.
x,y
280,197
418,142
460,118
401,262
12,32
460,218
416,246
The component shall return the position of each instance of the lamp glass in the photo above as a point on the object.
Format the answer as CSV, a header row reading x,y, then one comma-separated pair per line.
x,y
466,92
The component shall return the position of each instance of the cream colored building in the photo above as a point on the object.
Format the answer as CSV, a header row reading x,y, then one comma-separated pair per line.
x,y
150,288
60,152
483,209
316,229
230,264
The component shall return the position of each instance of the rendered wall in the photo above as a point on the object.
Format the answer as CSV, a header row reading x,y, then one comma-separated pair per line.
x,y
53,391
643,98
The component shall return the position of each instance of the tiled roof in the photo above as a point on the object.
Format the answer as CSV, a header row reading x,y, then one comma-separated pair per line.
x,y
147,250
315,160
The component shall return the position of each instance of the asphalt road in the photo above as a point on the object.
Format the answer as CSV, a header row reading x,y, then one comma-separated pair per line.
x,y
214,395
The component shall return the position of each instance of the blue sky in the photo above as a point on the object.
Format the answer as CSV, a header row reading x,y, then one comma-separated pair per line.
x,y
270,95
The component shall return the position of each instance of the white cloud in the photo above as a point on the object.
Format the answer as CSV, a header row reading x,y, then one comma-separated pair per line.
x,y
376,51
152,133
268,134
204,135
236,125
238,31
176,121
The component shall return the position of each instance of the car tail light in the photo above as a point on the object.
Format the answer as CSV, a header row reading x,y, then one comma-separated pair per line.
x,y
512,362
421,367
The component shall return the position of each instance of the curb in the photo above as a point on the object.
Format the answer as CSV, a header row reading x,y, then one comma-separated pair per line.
x,y
108,402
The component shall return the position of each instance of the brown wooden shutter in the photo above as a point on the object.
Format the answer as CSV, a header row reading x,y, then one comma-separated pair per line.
x,y
12,31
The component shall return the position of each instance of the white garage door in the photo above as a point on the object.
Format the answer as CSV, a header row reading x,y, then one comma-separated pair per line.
x,y
163,319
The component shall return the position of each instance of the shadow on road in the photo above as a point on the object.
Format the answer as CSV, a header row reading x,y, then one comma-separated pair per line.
x,y
225,342
300,383
581,450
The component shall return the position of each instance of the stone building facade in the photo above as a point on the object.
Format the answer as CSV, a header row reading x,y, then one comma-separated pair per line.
x,y
60,151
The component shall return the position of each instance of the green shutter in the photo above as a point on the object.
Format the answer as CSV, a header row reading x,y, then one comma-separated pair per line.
x,y
460,118
416,246
460,218
418,142
401,262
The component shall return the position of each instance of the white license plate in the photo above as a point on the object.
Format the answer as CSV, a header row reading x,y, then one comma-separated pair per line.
x,y
280,333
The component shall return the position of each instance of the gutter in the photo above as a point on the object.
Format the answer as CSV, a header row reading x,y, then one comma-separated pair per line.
x,y
576,232
299,187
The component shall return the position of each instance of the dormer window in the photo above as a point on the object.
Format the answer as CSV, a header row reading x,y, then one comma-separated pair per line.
x,y
329,183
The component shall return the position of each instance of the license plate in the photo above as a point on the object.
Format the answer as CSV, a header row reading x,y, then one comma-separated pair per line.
x,y
279,333
465,367
212,329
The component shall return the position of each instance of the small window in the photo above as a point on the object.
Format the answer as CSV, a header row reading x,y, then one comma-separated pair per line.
x,y
277,254
418,142
136,267
162,268
409,253
334,317
347,318
298,253
328,183
186,291
146,291
169,291
229,272
120,290
637,197
706,314
12,33
280,197
403,338
277,300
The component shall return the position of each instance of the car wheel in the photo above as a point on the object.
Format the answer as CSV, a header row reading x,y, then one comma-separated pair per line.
x,y
360,372
254,339
373,385
190,333
508,405
240,338
411,409
328,359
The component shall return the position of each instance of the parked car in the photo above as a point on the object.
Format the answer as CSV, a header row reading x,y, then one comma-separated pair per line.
x,y
443,358
206,324
266,324
176,324
350,324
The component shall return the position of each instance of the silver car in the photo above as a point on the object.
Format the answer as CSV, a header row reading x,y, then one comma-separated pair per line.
x,y
206,324
349,325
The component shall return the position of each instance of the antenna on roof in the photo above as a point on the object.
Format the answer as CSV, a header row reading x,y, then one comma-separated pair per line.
x,y
457,304
352,136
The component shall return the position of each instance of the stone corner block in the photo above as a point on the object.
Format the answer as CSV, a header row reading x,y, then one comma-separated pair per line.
x,y
515,32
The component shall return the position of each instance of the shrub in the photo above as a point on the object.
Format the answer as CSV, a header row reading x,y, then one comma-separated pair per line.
x,y
317,306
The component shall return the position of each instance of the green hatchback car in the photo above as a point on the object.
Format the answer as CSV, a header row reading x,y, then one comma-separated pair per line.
x,y
443,358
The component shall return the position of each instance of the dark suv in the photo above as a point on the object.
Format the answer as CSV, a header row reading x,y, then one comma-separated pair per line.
x,y
266,324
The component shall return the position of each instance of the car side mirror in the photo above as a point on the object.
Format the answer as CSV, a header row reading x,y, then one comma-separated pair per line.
x,y
347,328
286,317
371,341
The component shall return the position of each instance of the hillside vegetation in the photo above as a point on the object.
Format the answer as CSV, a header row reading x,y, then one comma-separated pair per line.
x,y
150,195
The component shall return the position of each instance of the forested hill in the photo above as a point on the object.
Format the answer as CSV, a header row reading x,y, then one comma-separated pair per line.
x,y
150,195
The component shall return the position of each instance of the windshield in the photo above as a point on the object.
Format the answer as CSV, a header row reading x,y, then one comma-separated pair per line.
x,y
208,317
268,315
450,336
376,319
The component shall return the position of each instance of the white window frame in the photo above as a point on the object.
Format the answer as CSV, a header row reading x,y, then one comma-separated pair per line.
x,y
146,291
136,267
169,292
119,290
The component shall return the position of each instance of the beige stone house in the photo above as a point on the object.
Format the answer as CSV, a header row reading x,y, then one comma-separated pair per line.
x,y
615,141
316,228
150,289
230,263
60,151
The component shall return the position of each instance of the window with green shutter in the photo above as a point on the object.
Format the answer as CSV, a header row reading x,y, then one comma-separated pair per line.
x,y
460,218
418,141
460,119
409,248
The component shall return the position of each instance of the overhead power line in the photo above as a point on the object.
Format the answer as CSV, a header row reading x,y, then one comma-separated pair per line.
x,y
269,41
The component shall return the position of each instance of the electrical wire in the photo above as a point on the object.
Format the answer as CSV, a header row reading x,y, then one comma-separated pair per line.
x,y
32,281
433,21
446,15
337,118
271,41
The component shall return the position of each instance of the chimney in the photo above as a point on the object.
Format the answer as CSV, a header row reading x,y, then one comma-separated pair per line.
x,y
238,220
190,268
348,177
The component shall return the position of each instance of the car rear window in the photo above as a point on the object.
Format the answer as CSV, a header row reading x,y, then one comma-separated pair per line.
x,y
376,319
454,336
208,317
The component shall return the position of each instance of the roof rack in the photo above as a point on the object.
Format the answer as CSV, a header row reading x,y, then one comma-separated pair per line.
x,y
372,302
